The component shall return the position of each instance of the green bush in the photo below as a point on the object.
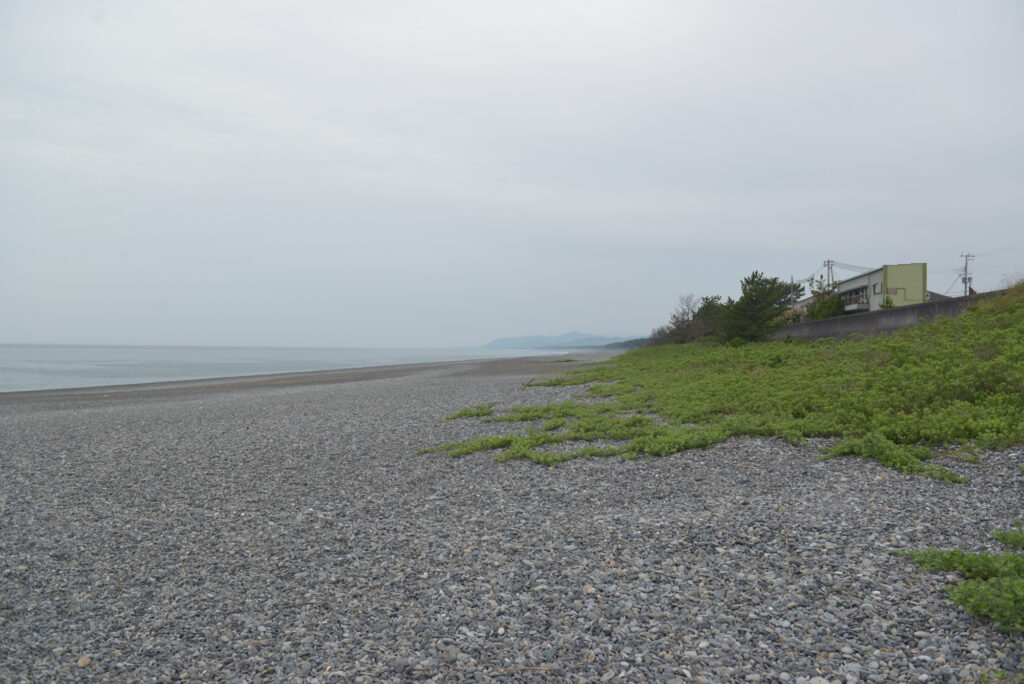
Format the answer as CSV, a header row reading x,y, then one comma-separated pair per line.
x,y
993,585
1013,539
475,412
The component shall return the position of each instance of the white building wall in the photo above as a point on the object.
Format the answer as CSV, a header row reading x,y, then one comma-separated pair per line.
x,y
863,292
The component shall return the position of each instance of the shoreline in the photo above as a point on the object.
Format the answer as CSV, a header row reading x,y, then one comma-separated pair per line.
x,y
497,365
36,368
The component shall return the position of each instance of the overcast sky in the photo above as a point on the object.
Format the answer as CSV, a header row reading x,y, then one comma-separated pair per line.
x,y
342,173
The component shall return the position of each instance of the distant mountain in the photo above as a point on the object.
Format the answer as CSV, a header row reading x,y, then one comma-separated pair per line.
x,y
570,340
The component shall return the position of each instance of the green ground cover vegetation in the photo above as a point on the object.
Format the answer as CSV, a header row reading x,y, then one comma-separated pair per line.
x,y
901,399
993,584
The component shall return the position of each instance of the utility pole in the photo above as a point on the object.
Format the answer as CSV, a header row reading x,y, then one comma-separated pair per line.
x,y
966,277
830,279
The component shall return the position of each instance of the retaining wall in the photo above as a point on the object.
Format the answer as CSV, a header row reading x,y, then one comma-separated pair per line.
x,y
885,320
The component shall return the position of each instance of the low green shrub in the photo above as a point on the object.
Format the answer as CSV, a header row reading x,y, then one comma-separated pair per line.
x,y
993,585
475,412
1012,539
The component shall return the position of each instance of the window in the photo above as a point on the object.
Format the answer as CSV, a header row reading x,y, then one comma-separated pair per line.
x,y
858,296
878,288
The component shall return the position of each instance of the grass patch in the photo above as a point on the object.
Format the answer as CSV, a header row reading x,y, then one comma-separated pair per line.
x,y
895,398
1011,539
471,446
993,585
475,412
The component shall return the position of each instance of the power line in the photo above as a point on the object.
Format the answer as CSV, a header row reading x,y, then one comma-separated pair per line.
x,y
953,284
851,267
1012,248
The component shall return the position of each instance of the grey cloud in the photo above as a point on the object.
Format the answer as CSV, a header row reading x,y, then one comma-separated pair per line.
x,y
343,173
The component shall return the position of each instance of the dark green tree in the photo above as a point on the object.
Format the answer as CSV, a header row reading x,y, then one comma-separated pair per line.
x,y
694,319
707,321
755,315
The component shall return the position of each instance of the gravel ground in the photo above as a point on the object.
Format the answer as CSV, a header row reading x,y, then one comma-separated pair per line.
x,y
286,530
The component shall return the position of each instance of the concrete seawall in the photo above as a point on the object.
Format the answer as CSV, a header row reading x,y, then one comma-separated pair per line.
x,y
885,320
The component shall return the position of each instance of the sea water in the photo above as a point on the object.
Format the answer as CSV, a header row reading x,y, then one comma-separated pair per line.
x,y
38,367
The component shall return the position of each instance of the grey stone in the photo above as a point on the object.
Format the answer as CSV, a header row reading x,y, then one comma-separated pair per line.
x,y
284,533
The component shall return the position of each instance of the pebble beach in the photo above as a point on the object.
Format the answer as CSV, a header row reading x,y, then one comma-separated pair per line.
x,y
286,528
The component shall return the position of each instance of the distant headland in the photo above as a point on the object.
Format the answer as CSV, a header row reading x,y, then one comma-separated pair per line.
x,y
569,340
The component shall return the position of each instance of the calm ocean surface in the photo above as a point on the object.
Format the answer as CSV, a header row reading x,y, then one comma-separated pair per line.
x,y
36,367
